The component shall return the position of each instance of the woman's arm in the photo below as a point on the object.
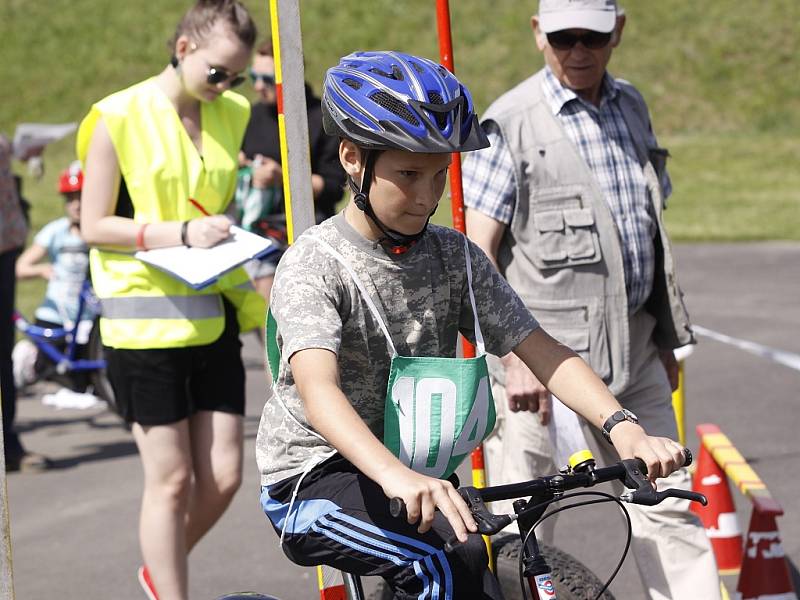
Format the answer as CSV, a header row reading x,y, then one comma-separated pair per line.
x,y
28,265
99,225
316,375
571,380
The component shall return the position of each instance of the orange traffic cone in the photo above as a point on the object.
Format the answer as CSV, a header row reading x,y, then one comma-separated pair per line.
x,y
765,573
719,517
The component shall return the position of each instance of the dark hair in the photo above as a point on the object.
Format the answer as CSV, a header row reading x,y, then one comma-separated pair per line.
x,y
265,48
201,18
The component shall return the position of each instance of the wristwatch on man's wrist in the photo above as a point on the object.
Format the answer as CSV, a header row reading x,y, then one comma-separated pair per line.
x,y
617,417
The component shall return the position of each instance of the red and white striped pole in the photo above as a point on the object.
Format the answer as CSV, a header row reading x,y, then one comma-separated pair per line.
x,y
457,210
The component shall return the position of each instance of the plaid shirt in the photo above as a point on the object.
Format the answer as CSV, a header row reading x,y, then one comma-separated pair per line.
x,y
602,138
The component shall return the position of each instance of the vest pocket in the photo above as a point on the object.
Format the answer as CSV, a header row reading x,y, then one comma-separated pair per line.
x,y
564,231
579,325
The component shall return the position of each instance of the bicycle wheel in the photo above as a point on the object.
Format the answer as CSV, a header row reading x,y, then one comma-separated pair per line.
x,y
572,579
100,383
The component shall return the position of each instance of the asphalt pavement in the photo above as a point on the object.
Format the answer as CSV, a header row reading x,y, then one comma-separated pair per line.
x,y
74,528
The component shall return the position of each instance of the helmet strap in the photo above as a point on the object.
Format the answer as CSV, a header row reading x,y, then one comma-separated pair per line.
x,y
394,241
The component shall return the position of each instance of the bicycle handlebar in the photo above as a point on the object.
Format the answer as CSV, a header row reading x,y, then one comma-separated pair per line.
x,y
632,472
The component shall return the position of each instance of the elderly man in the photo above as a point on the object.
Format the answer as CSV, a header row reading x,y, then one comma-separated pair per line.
x,y
567,201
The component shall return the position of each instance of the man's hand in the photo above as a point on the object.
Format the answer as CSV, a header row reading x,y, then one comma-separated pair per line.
x,y
266,172
671,366
661,455
524,391
423,495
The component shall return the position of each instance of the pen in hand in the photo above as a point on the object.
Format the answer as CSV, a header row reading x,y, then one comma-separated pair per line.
x,y
208,231
199,207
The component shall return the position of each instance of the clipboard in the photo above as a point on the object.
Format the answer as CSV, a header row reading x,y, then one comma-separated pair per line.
x,y
200,267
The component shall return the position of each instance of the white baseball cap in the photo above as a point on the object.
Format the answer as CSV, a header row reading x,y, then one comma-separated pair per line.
x,y
595,15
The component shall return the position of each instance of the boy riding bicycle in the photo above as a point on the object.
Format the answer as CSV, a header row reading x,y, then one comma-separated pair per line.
x,y
369,400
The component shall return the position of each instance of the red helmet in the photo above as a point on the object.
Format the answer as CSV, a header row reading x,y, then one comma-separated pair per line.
x,y
71,179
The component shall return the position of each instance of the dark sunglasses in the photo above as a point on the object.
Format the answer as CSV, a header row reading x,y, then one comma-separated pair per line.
x,y
266,78
592,40
217,75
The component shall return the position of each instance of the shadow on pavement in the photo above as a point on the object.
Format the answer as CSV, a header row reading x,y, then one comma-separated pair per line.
x,y
97,452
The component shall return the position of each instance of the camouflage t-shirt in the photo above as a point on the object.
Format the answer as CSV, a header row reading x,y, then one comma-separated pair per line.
x,y
423,298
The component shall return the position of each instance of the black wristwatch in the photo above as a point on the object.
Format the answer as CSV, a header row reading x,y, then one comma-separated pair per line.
x,y
617,417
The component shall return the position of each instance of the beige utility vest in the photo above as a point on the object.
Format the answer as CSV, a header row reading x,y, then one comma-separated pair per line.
x,y
142,306
562,251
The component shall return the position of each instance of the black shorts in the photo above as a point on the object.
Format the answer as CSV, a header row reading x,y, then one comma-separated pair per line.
x,y
166,385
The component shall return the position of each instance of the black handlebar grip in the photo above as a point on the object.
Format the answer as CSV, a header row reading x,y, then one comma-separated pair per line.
x,y
687,454
397,508
687,495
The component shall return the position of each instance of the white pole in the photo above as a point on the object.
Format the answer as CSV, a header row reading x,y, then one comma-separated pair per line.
x,y
287,45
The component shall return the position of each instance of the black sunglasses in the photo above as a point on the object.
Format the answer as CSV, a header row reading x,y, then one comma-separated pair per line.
x,y
266,78
564,40
217,75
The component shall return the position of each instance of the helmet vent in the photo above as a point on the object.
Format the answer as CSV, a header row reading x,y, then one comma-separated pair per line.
x,y
394,105
353,83
418,68
441,118
396,73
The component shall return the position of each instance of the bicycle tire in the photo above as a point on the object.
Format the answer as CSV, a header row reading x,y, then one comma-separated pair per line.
x,y
571,578
100,383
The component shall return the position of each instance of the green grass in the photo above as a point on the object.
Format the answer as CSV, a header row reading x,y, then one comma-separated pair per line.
x,y
720,77
731,187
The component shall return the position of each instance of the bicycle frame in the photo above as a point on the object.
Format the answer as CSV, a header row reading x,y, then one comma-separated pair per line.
x,y
44,337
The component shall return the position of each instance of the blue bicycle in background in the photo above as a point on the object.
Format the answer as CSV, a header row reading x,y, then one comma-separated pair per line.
x,y
71,355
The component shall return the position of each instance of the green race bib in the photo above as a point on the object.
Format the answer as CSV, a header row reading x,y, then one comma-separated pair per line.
x,y
438,410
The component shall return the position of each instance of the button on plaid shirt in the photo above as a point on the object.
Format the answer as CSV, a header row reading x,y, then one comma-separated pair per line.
x,y
602,138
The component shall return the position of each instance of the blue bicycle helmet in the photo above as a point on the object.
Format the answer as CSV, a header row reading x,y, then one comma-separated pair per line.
x,y
385,100
382,100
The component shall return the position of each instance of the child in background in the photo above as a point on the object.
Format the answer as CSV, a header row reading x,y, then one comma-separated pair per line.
x,y
59,255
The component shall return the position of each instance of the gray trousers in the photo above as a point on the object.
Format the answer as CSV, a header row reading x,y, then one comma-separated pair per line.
x,y
672,552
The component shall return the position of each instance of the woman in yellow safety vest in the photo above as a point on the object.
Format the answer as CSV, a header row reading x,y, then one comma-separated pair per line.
x,y
160,168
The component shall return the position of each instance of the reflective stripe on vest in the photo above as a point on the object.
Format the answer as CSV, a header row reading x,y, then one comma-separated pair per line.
x,y
162,307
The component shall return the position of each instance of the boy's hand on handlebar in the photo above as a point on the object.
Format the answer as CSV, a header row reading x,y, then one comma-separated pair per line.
x,y
423,495
661,455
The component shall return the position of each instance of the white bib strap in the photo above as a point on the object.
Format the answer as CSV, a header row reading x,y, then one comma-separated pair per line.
x,y
479,344
364,294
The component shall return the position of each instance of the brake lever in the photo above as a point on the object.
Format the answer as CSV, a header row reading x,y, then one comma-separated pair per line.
x,y
645,493
488,522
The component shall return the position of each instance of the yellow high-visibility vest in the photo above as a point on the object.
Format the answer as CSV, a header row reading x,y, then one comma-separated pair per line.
x,y
142,306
